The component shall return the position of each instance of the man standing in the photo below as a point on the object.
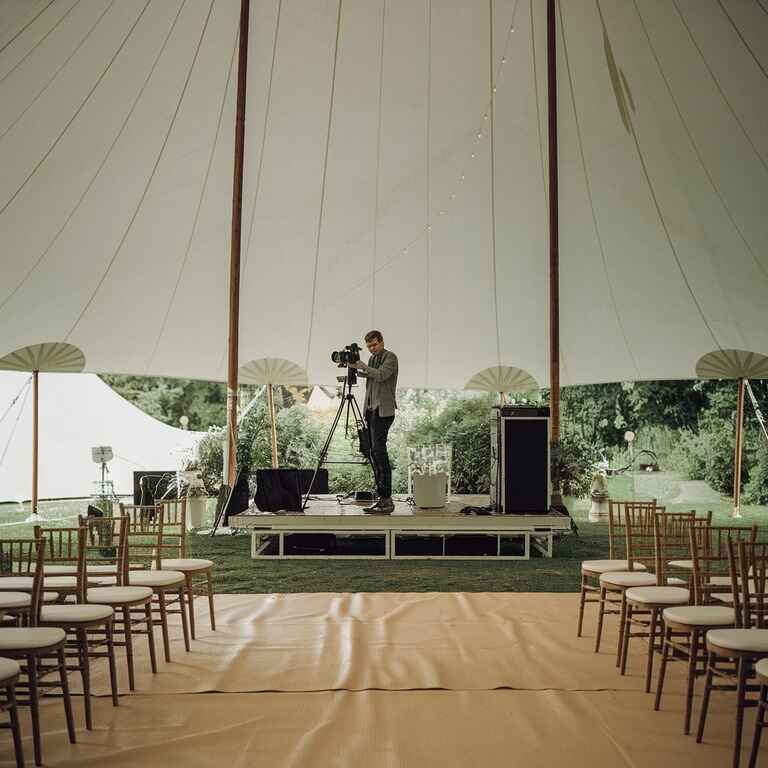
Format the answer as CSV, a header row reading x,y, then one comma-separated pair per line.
x,y
379,411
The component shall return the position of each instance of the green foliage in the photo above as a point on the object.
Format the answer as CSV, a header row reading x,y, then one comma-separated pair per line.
x,y
756,491
573,463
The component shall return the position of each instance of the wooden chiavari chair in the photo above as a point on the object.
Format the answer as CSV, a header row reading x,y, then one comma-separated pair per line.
x,y
174,556
686,626
733,653
9,676
38,650
591,570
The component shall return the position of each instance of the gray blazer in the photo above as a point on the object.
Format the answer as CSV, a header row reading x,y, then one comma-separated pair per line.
x,y
381,384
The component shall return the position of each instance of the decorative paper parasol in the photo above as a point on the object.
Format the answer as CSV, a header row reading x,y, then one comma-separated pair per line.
x,y
501,379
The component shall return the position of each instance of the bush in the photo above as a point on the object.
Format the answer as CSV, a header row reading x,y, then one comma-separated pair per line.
x,y
573,464
756,491
689,455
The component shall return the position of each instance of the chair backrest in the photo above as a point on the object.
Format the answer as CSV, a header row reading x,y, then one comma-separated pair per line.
x,y
616,525
140,517
61,544
672,540
142,544
104,542
639,533
174,536
24,557
709,556
749,567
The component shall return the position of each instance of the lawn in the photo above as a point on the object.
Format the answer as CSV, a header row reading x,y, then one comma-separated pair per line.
x,y
236,572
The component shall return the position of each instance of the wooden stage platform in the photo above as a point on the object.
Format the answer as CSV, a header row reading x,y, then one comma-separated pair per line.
x,y
329,529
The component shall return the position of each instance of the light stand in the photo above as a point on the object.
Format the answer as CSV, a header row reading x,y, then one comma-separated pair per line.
x,y
349,406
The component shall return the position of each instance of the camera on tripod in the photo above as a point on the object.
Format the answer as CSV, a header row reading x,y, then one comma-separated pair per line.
x,y
350,354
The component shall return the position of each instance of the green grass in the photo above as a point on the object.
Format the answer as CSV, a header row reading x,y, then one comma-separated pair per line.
x,y
236,572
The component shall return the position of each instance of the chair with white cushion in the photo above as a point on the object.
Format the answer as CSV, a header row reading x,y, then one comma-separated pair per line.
x,y
686,626
733,653
197,571
591,570
644,605
39,651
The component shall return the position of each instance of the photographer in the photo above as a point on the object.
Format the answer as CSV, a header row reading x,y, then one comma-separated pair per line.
x,y
379,412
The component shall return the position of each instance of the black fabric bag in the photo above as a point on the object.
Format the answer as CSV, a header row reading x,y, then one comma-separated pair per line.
x,y
278,489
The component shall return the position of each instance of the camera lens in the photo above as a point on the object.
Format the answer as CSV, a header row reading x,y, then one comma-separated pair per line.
x,y
335,357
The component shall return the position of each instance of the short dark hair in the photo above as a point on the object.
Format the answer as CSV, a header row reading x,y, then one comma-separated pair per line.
x,y
373,336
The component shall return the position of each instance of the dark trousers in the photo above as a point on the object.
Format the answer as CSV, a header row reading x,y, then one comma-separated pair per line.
x,y
378,426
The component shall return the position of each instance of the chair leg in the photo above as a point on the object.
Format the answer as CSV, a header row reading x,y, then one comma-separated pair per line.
x,y
582,601
184,624
209,580
627,624
693,656
18,749
705,699
741,694
191,598
109,629
662,669
85,672
129,646
34,707
600,615
164,624
759,724
65,695
651,647
151,637
622,629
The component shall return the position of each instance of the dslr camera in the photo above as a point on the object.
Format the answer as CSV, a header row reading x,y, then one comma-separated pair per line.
x,y
343,357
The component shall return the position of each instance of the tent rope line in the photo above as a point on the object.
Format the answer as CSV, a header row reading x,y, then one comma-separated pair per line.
x,y
77,112
149,179
398,253
720,88
742,38
320,218
544,180
14,399
56,73
98,171
39,42
492,171
756,406
588,185
660,214
198,208
695,146
26,390
28,24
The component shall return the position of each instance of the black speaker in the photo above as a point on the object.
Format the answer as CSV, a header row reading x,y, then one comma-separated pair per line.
x,y
520,473
283,488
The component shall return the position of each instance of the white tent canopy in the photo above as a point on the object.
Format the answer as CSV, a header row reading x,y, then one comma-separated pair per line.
x,y
381,189
79,412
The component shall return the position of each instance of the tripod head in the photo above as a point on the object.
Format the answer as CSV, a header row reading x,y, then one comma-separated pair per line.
x,y
350,380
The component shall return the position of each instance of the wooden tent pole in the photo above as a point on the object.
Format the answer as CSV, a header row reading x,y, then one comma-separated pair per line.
x,y
271,401
738,451
234,259
554,242
35,406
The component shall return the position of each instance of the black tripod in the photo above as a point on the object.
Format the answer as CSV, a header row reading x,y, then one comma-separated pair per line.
x,y
348,406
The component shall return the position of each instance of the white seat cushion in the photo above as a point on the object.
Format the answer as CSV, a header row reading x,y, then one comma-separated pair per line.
x,y
16,639
687,564
50,597
61,614
8,669
606,566
755,640
156,578
186,564
16,584
761,669
56,569
118,595
658,595
10,600
628,579
700,615
719,581
61,582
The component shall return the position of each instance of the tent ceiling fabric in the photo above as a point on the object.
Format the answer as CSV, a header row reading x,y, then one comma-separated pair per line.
x,y
732,364
272,371
51,357
502,379
387,206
